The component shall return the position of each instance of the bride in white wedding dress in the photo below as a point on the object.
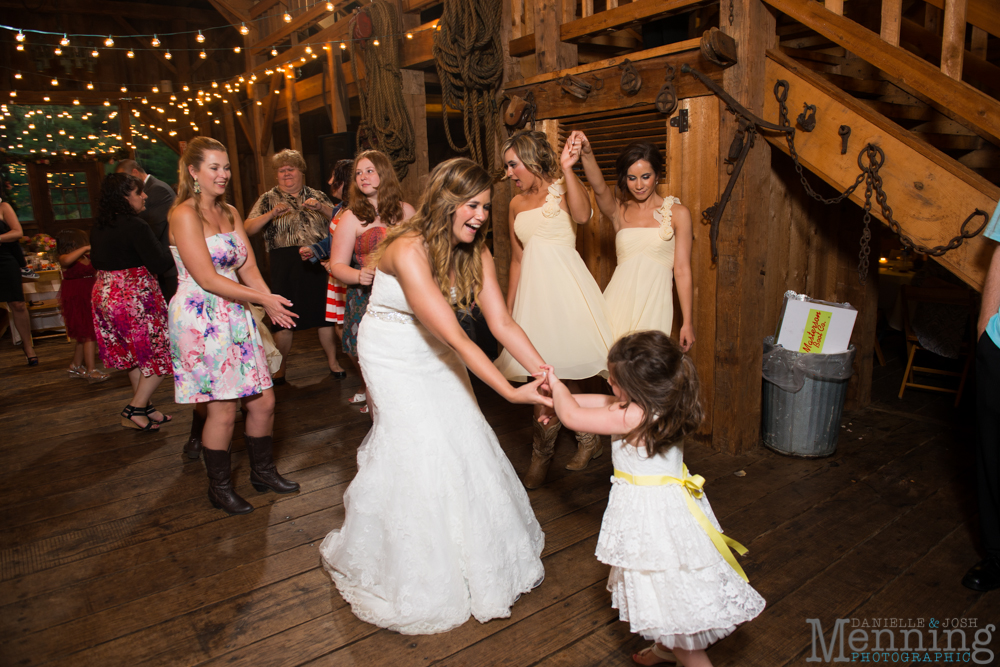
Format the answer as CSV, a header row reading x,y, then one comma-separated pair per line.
x,y
438,527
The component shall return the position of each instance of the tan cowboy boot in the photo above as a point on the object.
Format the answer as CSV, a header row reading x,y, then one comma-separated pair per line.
x,y
588,447
543,446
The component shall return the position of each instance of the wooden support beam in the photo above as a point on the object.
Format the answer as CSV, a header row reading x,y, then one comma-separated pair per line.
x,y
262,7
973,106
551,53
337,99
980,13
156,52
974,68
743,238
892,11
235,103
835,6
953,39
300,22
930,193
292,111
230,13
553,102
270,106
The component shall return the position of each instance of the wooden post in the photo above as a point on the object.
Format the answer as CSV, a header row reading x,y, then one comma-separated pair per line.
x,y
232,146
743,237
415,97
339,114
953,38
891,13
551,53
292,107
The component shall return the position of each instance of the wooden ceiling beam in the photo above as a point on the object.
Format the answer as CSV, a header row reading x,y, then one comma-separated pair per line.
x,y
262,7
302,22
156,52
229,12
127,9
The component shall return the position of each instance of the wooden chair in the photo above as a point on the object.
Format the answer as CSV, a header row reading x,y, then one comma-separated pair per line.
x,y
955,296
44,308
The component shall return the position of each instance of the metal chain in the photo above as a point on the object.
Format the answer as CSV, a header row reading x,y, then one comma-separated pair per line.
x,y
873,185
731,3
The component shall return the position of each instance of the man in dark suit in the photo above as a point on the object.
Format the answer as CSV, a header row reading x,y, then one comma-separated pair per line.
x,y
159,198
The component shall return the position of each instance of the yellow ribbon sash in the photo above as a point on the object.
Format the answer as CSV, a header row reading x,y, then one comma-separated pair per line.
x,y
694,485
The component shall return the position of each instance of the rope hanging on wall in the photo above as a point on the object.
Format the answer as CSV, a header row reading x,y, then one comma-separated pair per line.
x,y
469,59
385,119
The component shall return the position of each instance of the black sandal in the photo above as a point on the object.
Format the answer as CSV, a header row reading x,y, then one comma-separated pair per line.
x,y
32,361
132,411
150,410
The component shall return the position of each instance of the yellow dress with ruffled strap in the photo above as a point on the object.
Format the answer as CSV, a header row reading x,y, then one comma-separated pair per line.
x,y
558,303
640,293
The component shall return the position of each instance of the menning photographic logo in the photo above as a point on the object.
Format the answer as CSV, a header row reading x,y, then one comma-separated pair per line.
x,y
902,640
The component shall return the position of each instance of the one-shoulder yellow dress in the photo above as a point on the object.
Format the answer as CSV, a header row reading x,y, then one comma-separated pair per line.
x,y
558,303
640,293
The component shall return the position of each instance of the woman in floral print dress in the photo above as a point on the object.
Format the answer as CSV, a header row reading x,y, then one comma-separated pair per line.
x,y
215,348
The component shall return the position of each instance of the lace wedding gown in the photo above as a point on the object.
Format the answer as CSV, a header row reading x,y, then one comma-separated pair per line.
x,y
437,525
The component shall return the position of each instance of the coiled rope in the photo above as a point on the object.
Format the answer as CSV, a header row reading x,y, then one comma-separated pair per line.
x,y
469,59
385,119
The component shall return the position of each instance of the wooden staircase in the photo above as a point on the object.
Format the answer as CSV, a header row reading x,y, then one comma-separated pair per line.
x,y
941,135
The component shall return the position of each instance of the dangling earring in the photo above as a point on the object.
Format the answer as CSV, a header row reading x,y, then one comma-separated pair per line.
x,y
197,188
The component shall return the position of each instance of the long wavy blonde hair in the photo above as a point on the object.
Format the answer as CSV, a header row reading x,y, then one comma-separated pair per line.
x,y
390,194
451,184
193,156
536,153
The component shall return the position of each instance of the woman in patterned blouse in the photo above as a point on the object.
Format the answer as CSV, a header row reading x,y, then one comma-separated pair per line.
x,y
292,215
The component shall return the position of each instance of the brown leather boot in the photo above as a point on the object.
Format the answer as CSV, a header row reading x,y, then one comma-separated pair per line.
x,y
543,446
588,447
263,474
220,483
193,446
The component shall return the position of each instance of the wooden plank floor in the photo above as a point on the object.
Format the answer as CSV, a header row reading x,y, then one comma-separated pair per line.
x,y
112,555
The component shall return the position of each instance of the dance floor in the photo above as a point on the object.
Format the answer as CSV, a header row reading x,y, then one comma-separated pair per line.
x,y
112,554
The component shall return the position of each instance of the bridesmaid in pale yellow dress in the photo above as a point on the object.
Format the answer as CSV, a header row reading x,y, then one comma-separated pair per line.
x,y
552,295
652,239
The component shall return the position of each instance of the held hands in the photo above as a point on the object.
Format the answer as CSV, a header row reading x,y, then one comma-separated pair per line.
x,y
571,150
275,307
312,204
531,394
686,337
280,209
366,276
305,253
585,148
550,376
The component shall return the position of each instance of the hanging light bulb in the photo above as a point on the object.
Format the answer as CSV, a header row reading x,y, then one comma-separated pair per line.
x,y
155,89
64,41
203,55
168,55
20,47
185,89
287,17
55,82
106,103
17,76
409,35
215,84
58,51
130,54
90,85
94,54
375,42
236,49
309,49
155,42
343,46
13,93
20,36
244,30
109,42
124,89
200,38
274,52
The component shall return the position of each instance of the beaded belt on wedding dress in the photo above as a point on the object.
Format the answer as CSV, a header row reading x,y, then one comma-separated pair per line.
x,y
391,316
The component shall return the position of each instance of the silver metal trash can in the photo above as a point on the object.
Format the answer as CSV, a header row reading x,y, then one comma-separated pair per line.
x,y
803,399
